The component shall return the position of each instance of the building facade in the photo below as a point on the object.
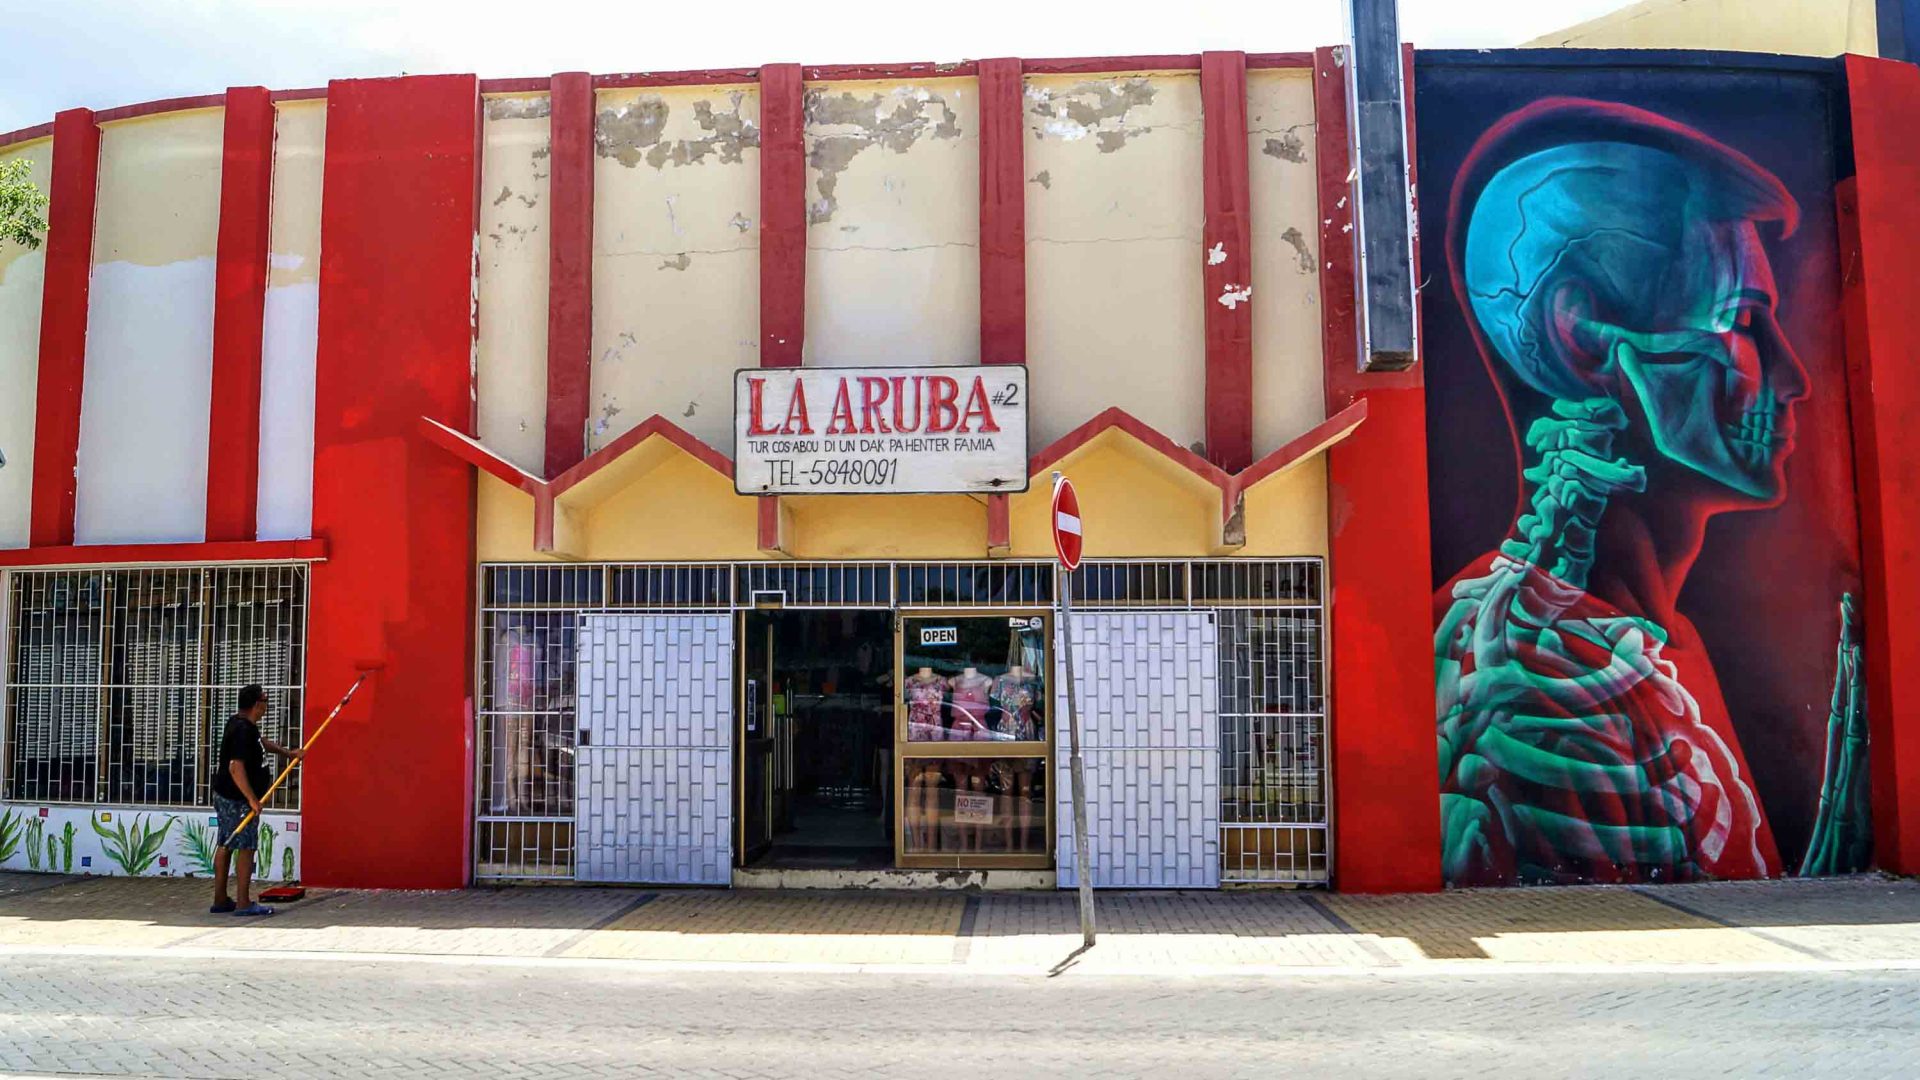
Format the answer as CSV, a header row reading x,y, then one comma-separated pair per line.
x,y
577,409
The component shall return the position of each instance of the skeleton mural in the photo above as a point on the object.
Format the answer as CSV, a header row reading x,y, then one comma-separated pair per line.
x,y
1614,270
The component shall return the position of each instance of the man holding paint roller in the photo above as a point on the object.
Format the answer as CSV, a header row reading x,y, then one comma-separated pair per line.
x,y
239,780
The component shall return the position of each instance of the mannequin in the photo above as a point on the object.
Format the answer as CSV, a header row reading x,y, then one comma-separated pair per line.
x,y
1014,693
926,694
972,693
513,669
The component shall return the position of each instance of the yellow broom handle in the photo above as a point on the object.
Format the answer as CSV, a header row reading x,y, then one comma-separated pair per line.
x,y
311,739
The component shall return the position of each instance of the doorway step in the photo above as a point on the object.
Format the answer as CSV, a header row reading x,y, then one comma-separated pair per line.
x,y
769,878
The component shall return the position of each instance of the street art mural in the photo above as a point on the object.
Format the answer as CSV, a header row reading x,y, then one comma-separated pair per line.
x,y
1647,658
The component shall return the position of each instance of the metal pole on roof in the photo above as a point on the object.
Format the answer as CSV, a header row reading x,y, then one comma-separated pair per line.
x,y
1386,309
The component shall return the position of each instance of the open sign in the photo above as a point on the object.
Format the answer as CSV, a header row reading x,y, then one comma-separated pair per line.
x,y
939,635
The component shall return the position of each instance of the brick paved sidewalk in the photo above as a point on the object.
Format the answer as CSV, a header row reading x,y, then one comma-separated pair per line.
x,y
1855,921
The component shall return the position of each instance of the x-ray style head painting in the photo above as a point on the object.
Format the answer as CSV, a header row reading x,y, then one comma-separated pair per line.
x,y
1615,273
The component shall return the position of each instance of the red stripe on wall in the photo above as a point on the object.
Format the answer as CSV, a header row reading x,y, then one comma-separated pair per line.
x,y
1227,272
783,217
570,272
1003,215
239,306
386,802
1386,813
1881,285
63,326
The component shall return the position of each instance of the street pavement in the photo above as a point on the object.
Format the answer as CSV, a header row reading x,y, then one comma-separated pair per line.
x,y
115,977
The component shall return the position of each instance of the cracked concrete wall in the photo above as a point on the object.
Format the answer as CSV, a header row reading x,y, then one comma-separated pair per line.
x,y
676,267
1288,380
22,274
1114,258
893,212
290,328
515,181
142,471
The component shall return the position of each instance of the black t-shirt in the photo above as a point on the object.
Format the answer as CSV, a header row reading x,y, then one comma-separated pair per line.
x,y
241,742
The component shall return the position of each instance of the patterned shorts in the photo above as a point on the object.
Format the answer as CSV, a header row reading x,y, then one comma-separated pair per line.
x,y
230,811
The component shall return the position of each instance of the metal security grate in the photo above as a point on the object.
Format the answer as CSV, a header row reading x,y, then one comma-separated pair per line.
x,y
119,680
1272,710
1273,786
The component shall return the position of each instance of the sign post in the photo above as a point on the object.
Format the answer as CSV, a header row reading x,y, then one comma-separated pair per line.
x,y
1067,545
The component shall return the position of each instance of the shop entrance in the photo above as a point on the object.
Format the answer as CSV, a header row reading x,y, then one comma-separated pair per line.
x,y
816,738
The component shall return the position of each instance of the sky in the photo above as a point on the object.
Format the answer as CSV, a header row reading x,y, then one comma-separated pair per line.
x,y
102,53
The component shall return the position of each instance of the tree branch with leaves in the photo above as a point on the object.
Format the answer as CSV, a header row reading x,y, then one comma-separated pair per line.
x,y
23,207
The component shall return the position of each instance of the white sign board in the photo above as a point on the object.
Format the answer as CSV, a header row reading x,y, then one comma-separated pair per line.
x,y
883,430
973,809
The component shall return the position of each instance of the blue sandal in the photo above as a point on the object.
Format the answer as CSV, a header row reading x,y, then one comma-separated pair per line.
x,y
221,908
254,909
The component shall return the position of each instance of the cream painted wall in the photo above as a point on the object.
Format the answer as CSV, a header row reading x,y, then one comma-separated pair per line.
x,y
1114,214
893,212
1803,27
1289,394
142,472
676,269
21,274
291,331
514,185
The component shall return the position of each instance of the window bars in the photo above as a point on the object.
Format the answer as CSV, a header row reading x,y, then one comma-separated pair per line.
x,y
119,681
1272,666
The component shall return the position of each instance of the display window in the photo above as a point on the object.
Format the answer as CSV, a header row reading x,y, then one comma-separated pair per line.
x,y
971,806
973,739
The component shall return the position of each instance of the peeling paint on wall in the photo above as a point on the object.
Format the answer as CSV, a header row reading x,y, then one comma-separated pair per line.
x,y
1043,178
519,108
1097,107
631,133
1234,295
894,120
1288,147
1298,243
678,262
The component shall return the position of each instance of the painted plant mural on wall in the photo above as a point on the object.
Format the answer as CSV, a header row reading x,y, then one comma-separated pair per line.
x,y
1650,670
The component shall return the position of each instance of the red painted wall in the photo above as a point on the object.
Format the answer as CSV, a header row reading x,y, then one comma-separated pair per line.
x,y
1386,809
388,792
1881,280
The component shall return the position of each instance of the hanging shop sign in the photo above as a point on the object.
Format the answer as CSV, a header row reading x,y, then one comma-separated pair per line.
x,y
882,430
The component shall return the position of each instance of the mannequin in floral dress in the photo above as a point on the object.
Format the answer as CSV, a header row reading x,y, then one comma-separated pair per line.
x,y
972,697
1013,693
926,694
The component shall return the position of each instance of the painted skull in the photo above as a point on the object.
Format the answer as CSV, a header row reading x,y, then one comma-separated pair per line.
x,y
1634,270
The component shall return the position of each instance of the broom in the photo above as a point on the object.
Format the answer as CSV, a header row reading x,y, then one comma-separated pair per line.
x,y
285,892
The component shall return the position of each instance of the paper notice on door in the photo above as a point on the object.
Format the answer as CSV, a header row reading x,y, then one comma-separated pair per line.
x,y
973,809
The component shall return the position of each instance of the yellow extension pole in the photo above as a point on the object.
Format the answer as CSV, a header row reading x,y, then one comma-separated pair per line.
x,y
291,765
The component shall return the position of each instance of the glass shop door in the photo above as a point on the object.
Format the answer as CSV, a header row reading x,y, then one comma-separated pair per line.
x,y
974,739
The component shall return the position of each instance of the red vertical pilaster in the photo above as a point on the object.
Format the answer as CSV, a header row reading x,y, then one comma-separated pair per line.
x,y
63,326
783,242
570,272
783,217
387,801
1228,267
1003,215
239,311
1881,287
1386,812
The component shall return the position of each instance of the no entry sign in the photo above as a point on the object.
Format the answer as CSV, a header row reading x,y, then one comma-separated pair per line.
x,y
1066,524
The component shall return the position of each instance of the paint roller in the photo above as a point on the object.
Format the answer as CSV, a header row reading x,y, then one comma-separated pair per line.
x,y
366,668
